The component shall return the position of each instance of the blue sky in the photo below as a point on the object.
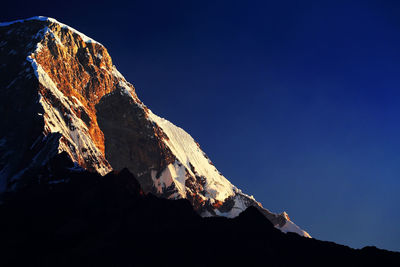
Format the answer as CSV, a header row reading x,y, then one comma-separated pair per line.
x,y
296,102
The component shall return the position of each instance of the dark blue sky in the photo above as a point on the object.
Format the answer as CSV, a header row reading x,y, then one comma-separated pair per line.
x,y
296,102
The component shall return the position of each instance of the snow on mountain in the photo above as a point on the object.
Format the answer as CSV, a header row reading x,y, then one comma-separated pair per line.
x,y
196,162
73,129
78,102
289,226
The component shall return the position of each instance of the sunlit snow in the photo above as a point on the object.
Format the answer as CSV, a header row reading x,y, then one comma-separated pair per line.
x,y
188,153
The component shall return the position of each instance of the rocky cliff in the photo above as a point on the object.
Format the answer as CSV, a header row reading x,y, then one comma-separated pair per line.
x,y
60,92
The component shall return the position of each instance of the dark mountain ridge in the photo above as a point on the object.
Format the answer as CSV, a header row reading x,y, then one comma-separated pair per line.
x,y
93,220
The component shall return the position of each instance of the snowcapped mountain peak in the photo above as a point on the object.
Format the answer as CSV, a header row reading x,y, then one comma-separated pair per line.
x,y
51,20
65,95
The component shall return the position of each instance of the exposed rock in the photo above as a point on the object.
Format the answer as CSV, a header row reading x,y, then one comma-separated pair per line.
x,y
61,93
131,140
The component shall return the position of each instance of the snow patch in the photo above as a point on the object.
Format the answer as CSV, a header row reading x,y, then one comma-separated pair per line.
x,y
289,226
186,150
126,87
117,74
79,103
173,173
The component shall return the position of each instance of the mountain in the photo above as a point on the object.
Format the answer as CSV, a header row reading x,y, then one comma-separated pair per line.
x,y
74,217
60,93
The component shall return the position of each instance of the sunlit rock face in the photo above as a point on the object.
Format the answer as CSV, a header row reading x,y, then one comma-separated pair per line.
x,y
60,92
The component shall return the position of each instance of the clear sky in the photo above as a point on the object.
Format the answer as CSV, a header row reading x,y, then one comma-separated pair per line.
x,y
295,102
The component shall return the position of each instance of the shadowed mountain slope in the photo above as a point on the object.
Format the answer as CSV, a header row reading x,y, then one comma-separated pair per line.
x,y
60,92
77,218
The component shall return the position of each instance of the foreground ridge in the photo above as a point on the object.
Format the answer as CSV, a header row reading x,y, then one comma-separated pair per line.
x,y
78,218
61,93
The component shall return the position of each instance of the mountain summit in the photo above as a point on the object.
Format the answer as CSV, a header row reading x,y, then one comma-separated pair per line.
x,y
60,92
